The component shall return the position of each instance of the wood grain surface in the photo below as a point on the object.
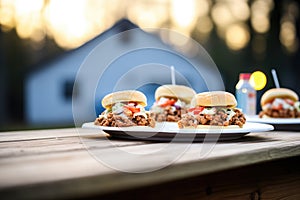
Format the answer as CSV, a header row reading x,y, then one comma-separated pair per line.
x,y
66,163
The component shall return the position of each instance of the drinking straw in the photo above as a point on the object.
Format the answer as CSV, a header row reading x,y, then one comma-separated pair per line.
x,y
173,75
275,78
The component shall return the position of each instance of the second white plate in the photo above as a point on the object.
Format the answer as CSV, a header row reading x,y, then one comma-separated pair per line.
x,y
283,124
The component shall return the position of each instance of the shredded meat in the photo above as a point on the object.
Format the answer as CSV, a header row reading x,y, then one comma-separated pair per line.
x,y
238,119
169,114
283,113
114,120
219,119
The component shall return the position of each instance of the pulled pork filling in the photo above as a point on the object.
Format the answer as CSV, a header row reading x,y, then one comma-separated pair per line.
x,y
281,108
168,109
212,116
124,115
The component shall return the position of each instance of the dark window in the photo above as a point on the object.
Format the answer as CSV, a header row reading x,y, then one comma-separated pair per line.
x,y
68,90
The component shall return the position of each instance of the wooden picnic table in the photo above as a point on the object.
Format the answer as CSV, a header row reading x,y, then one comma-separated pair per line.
x,y
77,163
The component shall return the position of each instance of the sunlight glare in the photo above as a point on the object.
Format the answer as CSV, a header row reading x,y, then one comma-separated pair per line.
x,y
28,17
184,13
7,12
260,10
203,7
222,15
204,25
237,36
148,17
240,10
67,21
288,36
260,23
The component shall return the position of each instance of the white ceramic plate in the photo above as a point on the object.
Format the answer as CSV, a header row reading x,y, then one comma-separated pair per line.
x,y
292,124
170,131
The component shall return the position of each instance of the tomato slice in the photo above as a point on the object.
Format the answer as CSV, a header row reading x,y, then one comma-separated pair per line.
x,y
278,107
132,109
169,102
196,110
289,101
191,109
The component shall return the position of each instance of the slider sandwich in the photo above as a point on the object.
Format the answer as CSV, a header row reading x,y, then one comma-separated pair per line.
x,y
123,109
216,108
280,103
171,102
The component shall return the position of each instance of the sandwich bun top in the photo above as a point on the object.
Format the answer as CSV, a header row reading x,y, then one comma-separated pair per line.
x,y
124,96
273,93
214,98
181,92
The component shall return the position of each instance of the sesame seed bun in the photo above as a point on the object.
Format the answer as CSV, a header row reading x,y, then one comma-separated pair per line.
x,y
214,98
273,93
124,96
181,92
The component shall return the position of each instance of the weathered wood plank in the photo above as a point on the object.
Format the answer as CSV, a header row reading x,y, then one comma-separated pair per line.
x,y
20,148
60,144
111,183
43,134
48,161
70,164
271,180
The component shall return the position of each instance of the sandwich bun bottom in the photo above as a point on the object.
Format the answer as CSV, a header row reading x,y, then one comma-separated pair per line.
x,y
269,117
266,117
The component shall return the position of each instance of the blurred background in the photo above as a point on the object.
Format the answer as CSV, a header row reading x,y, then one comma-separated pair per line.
x,y
239,35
